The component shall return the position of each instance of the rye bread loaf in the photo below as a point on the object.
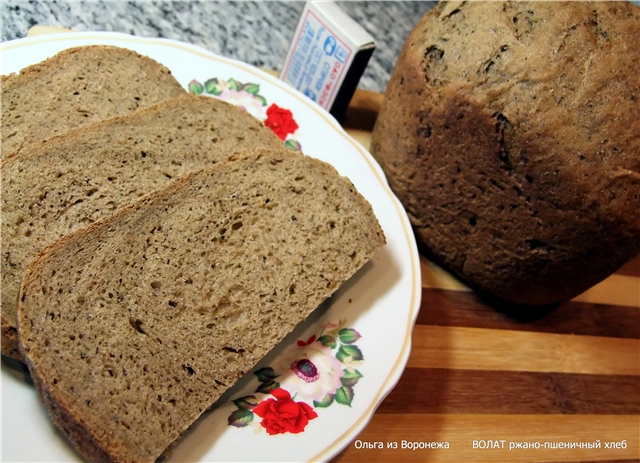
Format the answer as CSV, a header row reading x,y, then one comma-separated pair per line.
x,y
509,131
135,325
66,183
77,87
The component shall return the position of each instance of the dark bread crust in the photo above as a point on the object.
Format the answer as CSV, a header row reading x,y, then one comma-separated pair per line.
x,y
69,423
10,339
509,131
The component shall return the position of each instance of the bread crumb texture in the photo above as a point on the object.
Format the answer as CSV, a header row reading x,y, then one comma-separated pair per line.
x,y
134,326
77,87
509,131
68,182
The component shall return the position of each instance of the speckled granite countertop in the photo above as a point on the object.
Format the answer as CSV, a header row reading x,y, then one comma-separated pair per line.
x,y
258,33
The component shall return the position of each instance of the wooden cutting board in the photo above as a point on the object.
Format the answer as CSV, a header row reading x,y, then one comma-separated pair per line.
x,y
483,382
481,386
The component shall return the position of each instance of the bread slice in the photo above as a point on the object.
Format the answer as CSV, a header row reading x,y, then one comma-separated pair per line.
x,y
66,183
134,326
77,87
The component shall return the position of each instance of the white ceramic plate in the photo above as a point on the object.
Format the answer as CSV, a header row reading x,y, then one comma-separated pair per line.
x,y
362,334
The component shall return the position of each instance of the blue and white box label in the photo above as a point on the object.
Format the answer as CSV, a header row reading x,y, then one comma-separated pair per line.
x,y
325,44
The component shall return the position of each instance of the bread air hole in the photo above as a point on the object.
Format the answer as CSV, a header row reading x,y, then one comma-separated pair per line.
x,y
137,325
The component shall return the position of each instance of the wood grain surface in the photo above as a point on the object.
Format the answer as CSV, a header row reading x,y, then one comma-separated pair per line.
x,y
501,387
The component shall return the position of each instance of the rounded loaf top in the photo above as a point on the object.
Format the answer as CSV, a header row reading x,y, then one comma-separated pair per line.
x,y
510,131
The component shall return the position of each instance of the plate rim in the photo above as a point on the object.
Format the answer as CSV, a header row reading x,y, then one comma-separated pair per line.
x,y
393,376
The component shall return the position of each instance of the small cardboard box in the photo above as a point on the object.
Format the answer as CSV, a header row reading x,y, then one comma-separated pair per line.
x,y
327,57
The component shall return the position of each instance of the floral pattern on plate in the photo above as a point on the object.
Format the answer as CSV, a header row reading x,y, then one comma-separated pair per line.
x,y
248,97
308,375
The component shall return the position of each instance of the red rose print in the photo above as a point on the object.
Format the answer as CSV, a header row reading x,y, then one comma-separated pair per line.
x,y
282,414
281,121
311,340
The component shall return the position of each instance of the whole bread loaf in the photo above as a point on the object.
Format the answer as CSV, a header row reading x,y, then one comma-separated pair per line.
x,y
510,132
77,87
66,183
135,325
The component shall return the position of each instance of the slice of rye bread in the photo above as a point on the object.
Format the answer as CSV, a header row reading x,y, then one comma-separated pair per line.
x,y
69,181
77,87
134,326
